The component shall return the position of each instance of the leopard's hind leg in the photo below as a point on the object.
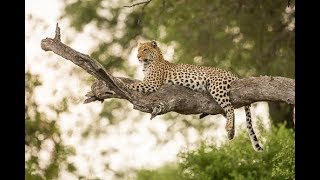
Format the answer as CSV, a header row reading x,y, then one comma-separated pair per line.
x,y
220,93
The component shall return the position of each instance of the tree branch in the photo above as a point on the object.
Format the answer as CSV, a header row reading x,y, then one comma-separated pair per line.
x,y
172,97
139,3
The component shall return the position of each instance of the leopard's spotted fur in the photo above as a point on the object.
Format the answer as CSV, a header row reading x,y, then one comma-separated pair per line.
x,y
199,78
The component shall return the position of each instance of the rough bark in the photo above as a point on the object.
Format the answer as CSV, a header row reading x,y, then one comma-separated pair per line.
x,y
172,97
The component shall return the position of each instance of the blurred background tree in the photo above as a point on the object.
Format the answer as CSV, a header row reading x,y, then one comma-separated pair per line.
x,y
42,137
248,37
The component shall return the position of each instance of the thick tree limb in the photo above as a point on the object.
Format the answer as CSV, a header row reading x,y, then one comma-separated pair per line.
x,y
172,97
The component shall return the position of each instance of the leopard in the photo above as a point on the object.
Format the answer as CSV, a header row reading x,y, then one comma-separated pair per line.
x,y
216,81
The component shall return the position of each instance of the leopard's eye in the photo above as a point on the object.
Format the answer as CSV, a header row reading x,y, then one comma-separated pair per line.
x,y
144,49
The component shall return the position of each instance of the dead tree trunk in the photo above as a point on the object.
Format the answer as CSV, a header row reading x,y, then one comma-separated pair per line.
x,y
172,97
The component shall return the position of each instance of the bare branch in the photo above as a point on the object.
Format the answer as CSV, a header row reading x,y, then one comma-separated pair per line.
x,y
173,97
139,3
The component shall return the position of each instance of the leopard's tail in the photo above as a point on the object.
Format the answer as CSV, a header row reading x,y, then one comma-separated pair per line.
x,y
252,135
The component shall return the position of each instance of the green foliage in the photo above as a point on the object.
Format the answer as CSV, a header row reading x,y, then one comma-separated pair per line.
x,y
39,132
235,160
80,19
284,163
167,172
249,37
210,29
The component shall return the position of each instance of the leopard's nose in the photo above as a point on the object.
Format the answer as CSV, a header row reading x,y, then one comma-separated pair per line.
x,y
139,57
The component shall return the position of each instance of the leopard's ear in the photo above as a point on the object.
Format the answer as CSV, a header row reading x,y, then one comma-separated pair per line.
x,y
154,43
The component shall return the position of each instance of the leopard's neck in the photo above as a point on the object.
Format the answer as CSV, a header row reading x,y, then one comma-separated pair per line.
x,y
147,65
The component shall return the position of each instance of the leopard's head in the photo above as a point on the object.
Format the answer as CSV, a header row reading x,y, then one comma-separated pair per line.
x,y
149,52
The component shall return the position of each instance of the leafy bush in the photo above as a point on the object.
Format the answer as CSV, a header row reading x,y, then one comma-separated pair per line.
x,y
234,160
167,172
